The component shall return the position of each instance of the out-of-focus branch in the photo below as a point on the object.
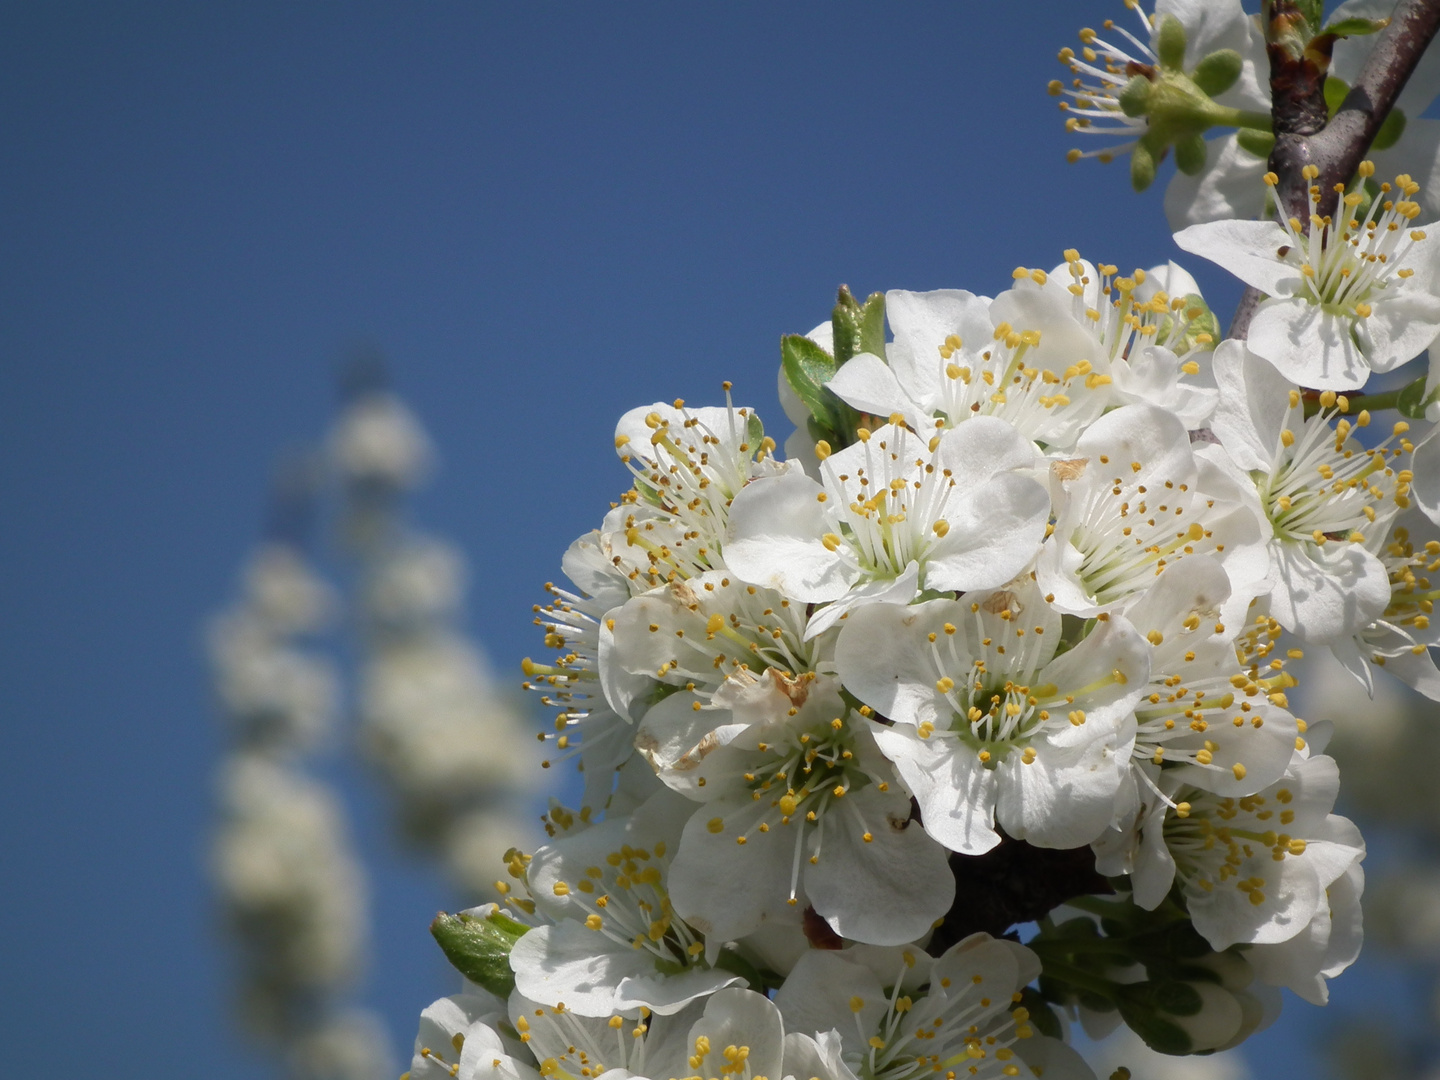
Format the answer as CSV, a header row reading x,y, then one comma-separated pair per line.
x,y
1302,137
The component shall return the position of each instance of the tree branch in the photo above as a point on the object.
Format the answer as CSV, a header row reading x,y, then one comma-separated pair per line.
x,y
1337,148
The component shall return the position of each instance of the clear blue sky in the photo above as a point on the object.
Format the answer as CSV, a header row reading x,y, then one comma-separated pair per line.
x,y
544,214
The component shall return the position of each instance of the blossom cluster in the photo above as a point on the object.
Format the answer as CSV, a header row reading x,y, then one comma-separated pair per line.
x,y
1024,595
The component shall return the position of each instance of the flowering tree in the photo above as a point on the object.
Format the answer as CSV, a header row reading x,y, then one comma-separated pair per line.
x,y
1006,638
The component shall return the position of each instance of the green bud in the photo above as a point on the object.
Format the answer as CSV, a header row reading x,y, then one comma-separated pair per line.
x,y
1177,998
1142,167
858,327
1135,98
1258,143
1162,1036
1218,72
1170,43
1190,154
1041,1015
1390,131
479,945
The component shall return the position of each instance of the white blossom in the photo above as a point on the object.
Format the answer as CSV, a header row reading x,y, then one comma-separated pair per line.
x,y
962,1007
617,943
1321,490
798,807
990,725
1254,869
891,516
1343,299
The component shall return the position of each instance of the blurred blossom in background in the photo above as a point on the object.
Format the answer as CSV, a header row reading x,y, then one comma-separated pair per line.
x,y
241,766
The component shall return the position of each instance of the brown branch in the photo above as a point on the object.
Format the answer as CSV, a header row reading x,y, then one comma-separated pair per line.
x,y
1336,148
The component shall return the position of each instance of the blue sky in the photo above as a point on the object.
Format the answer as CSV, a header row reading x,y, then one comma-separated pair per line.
x,y
543,214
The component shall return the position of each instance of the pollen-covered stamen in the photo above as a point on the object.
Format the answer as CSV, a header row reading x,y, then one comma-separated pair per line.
x,y
1405,625
1213,838
954,1030
1326,486
697,633
1201,709
1133,524
571,682
1347,265
692,467
806,774
997,700
1111,305
571,1047
996,378
894,504
624,898
1100,72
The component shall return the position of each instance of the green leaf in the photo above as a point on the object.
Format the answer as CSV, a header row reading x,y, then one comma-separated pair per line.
x,y
1412,401
1041,1015
1335,91
1216,73
1355,27
808,368
754,432
479,947
1390,131
731,961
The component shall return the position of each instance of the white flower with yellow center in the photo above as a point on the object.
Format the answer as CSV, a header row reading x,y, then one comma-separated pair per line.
x,y
1344,298
953,358
958,1015
798,807
695,634
990,726
1400,640
734,1034
616,944
689,464
1138,500
1146,334
459,1040
892,515
595,700
1214,712
1322,491
1253,869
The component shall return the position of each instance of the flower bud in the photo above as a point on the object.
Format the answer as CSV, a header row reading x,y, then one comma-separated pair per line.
x,y
1218,72
1170,43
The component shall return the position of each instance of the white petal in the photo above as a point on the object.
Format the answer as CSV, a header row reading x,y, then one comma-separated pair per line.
x,y
995,532
867,383
1254,404
1327,594
1309,345
887,891
955,791
1248,249
1228,187
776,531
